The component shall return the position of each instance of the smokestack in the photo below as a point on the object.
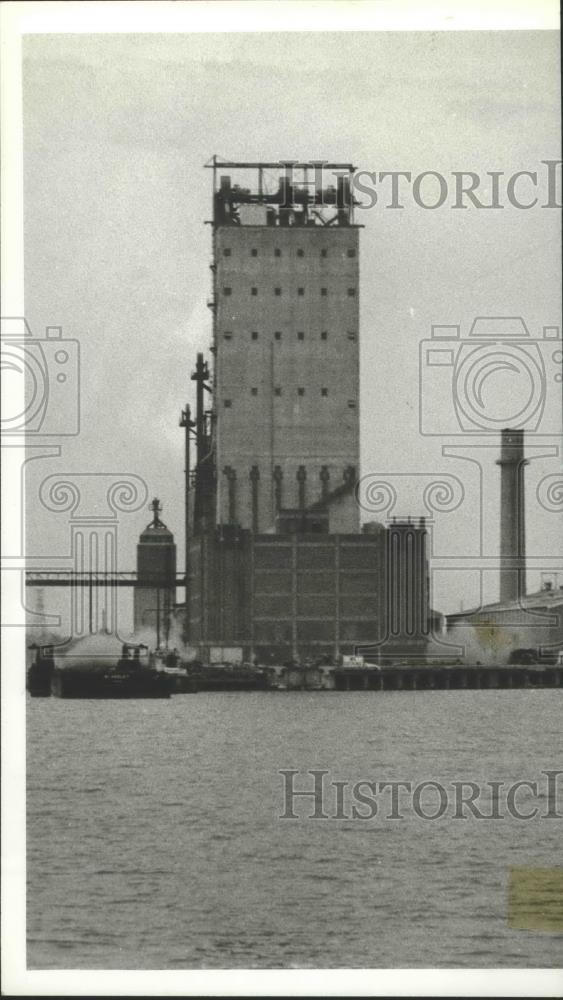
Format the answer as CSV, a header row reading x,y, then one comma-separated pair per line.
x,y
512,523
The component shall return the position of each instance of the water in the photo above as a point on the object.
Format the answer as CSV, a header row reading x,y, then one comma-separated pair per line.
x,y
154,839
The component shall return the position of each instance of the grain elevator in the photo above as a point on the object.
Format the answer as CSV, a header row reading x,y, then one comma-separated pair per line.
x,y
276,559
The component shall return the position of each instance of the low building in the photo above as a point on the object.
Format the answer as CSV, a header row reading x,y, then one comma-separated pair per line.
x,y
529,629
310,595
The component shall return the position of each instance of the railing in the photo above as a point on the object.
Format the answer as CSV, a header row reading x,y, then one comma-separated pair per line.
x,y
71,578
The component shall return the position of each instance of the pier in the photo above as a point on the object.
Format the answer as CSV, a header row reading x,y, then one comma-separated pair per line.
x,y
445,677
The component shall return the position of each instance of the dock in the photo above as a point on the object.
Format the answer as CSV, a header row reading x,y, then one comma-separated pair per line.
x,y
445,677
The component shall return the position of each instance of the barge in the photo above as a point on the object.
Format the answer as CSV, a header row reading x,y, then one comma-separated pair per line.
x,y
128,678
40,672
188,677
229,677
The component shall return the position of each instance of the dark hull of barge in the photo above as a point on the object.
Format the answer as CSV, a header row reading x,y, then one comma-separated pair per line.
x,y
69,683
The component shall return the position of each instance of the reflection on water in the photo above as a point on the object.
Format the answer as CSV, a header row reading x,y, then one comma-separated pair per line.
x,y
154,838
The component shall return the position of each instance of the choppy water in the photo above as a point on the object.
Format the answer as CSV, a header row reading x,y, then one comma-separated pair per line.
x,y
154,839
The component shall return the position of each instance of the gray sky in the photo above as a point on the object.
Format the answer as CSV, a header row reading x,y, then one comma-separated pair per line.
x,y
116,131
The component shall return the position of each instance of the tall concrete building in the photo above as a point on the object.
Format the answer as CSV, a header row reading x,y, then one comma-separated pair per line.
x,y
276,559
286,301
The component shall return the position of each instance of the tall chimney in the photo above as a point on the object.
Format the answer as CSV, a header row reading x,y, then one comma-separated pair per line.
x,y
512,523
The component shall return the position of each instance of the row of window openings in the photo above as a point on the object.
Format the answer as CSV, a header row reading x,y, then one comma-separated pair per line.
x,y
350,252
277,392
277,291
277,335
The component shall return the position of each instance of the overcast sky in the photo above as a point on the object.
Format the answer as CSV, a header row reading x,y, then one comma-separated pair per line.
x,y
117,129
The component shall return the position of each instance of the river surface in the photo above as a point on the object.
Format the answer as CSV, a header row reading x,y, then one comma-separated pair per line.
x,y
154,837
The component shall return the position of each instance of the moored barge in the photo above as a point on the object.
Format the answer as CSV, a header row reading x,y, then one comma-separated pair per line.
x,y
128,678
40,672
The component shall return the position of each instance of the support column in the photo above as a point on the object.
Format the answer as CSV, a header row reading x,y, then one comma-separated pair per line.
x,y
294,647
336,598
278,480
301,480
325,481
231,493
254,486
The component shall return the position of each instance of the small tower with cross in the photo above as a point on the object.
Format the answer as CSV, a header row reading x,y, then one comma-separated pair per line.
x,y
155,593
